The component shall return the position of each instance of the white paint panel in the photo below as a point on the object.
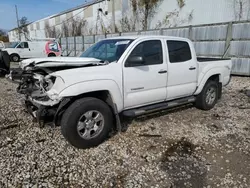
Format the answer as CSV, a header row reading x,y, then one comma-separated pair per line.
x,y
129,33
210,48
241,30
99,37
112,35
241,66
153,32
183,32
89,39
218,32
240,48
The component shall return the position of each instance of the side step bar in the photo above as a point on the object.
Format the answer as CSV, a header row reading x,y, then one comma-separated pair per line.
x,y
158,107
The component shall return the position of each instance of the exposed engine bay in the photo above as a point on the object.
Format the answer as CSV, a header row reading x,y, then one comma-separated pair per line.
x,y
35,82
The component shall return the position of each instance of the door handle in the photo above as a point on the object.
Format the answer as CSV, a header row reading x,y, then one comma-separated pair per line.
x,y
192,68
162,71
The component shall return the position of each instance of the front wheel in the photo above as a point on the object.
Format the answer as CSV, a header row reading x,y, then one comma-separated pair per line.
x,y
207,99
87,123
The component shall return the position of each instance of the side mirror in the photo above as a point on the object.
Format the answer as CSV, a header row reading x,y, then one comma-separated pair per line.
x,y
135,61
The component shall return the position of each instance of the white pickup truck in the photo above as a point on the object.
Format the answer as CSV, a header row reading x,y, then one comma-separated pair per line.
x,y
122,76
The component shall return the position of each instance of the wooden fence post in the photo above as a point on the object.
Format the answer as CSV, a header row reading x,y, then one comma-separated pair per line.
x,y
190,33
228,38
160,31
67,46
83,43
75,44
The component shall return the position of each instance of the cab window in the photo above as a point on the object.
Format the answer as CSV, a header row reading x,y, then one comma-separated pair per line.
x,y
23,45
179,51
150,52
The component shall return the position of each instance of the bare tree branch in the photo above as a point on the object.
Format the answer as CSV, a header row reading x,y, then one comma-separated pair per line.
x,y
74,27
23,27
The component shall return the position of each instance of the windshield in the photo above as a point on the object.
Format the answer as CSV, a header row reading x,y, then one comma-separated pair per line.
x,y
13,44
108,50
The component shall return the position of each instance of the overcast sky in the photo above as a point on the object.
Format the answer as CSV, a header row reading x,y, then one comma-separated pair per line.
x,y
32,9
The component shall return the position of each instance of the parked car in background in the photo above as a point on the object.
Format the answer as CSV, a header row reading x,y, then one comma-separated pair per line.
x,y
122,76
33,49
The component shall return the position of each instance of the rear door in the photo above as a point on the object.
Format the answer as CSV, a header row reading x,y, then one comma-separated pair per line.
x,y
145,83
182,69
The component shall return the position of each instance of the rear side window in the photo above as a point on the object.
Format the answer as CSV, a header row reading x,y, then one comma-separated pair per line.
x,y
179,51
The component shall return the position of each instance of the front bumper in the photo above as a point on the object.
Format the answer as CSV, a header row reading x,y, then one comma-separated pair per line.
x,y
46,114
41,113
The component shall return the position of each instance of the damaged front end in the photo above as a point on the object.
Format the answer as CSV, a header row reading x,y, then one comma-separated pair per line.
x,y
40,100
40,84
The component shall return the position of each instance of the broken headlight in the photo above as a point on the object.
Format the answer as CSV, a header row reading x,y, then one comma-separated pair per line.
x,y
48,83
55,88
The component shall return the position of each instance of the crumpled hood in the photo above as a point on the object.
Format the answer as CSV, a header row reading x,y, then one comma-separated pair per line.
x,y
58,61
109,71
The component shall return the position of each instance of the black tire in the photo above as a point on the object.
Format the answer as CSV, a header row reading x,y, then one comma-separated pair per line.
x,y
15,57
72,115
52,55
201,102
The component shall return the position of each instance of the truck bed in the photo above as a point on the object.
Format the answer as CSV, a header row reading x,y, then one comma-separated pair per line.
x,y
221,66
203,59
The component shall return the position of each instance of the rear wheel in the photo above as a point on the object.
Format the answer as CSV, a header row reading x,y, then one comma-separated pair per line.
x,y
207,99
87,123
15,58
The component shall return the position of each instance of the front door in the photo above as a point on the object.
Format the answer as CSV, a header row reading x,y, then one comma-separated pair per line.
x,y
145,75
182,68
24,50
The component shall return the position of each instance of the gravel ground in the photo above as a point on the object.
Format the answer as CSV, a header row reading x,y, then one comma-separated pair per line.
x,y
184,147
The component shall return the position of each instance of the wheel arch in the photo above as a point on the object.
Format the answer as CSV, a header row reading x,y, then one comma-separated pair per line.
x,y
103,95
92,86
51,54
214,76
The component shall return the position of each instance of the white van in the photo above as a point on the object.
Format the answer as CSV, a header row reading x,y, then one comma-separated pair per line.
x,y
33,49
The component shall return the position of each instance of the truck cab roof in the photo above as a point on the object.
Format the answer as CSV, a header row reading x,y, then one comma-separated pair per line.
x,y
134,37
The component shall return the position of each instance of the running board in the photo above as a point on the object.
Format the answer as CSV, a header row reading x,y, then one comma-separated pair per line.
x,y
158,107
